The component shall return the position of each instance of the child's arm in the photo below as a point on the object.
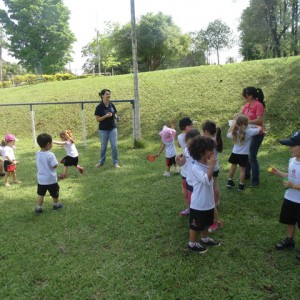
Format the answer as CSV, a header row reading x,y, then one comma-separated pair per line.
x,y
278,173
211,165
180,160
161,149
289,184
59,143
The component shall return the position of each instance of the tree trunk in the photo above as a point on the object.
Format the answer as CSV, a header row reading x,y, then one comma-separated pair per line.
x,y
1,77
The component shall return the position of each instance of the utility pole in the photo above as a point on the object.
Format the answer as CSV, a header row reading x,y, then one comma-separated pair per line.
x,y
136,126
99,54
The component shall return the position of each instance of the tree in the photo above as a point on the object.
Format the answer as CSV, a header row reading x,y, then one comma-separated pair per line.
x,y
217,36
38,33
3,44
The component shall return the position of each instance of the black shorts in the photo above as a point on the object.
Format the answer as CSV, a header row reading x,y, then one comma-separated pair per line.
x,y
239,159
6,164
52,188
201,219
69,161
216,173
170,161
290,213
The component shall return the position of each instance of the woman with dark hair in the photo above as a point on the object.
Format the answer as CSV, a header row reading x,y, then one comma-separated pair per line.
x,y
254,109
105,114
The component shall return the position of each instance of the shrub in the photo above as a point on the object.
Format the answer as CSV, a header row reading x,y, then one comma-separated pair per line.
x,y
7,84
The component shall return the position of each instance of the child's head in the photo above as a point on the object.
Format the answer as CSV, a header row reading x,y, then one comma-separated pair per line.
x,y
190,135
9,139
294,143
167,134
200,147
3,143
44,140
239,129
185,124
210,129
66,135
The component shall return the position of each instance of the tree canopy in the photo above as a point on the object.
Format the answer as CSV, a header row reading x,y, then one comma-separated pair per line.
x,y
38,33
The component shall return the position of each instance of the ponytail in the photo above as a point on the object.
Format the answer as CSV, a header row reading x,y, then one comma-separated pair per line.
x,y
219,141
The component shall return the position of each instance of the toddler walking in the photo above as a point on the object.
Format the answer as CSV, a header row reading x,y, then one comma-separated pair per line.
x,y
241,134
71,159
46,163
10,163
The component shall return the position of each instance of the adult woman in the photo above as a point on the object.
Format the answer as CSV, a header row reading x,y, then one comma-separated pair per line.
x,y
254,108
105,114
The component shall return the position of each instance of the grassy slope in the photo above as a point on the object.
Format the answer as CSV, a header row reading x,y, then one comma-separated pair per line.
x,y
119,235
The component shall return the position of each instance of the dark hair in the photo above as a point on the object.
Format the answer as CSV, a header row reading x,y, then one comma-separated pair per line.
x,y
191,134
44,139
199,145
212,128
256,93
102,92
185,122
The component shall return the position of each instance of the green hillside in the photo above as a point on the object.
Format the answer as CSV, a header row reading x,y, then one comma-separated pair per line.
x,y
202,92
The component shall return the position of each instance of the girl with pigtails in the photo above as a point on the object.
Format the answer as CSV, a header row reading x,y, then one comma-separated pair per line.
x,y
68,142
241,134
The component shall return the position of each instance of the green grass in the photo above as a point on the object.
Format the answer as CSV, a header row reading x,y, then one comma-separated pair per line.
x,y
120,235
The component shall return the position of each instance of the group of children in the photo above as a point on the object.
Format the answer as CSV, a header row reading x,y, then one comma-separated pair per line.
x,y
200,166
46,164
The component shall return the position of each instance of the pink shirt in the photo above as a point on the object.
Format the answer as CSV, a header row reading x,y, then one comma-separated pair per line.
x,y
254,110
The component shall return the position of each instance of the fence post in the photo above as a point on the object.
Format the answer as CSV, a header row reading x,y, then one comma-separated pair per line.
x,y
33,125
83,124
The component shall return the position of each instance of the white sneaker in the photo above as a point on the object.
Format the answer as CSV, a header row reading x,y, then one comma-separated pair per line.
x,y
116,166
167,174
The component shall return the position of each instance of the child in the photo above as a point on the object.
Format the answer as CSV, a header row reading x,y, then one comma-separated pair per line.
x,y
46,163
168,143
185,161
185,124
241,135
290,210
1,156
72,154
202,200
211,130
10,159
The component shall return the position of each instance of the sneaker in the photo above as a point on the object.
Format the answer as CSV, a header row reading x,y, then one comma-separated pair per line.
x,y
197,248
287,243
58,206
17,182
117,166
38,210
211,243
241,187
254,184
167,174
215,226
185,212
98,165
230,183
62,176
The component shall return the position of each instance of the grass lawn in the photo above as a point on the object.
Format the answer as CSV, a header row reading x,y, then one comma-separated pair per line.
x,y
119,235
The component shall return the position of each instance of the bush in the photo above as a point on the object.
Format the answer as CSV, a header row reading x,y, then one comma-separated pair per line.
x,y
7,84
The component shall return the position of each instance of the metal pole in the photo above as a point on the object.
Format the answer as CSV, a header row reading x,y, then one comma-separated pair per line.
x,y
99,54
83,125
136,119
33,125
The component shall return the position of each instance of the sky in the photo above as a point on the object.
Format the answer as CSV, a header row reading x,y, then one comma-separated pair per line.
x,y
189,15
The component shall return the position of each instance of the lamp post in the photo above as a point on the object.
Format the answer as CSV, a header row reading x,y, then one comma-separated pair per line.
x,y
136,129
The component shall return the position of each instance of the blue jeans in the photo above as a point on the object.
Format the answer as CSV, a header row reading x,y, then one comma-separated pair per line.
x,y
110,135
253,162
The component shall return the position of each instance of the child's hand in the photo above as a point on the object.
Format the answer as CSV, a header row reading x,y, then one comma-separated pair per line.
x,y
212,160
287,184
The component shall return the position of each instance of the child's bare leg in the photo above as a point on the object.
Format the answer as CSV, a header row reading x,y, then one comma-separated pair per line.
x,y
242,175
232,171
55,200
204,233
193,236
65,170
216,215
7,174
168,169
40,201
185,196
216,191
291,231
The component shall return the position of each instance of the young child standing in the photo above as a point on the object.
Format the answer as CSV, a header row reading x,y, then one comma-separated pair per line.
x,y
185,161
241,134
9,158
185,124
46,163
168,144
290,210
211,130
71,159
202,200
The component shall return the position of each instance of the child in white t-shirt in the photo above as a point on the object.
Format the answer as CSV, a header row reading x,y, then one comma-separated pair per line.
x,y
241,133
202,201
46,163
168,144
71,159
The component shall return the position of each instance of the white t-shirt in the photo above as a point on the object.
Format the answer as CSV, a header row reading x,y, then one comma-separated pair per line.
x,y
71,149
244,148
1,151
8,152
186,169
170,149
45,162
203,194
181,140
294,177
